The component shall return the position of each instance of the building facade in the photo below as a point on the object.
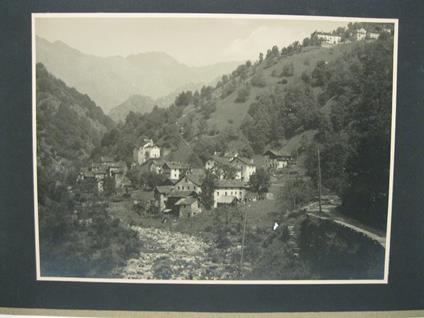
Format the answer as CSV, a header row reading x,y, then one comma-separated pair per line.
x,y
226,191
245,168
174,171
328,39
148,151
360,34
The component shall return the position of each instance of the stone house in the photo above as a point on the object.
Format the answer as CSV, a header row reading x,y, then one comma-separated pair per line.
x,y
161,196
145,152
189,183
245,168
174,171
188,207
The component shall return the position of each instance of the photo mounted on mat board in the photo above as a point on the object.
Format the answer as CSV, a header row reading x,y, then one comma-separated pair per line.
x,y
213,148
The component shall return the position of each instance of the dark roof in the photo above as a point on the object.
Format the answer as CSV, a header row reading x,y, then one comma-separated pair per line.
x,y
276,153
244,160
142,195
164,189
156,161
230,184
181,194
106,159
185,201
193,178
176,165
221,160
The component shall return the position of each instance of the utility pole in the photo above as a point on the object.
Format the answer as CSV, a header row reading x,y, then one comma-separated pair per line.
x,y
319,180
243,240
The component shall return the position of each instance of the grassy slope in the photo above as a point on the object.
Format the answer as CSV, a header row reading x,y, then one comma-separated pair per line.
x,y
228,109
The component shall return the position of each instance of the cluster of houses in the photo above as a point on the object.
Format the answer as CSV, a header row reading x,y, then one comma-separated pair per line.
x,y
97,172
330,39
180,194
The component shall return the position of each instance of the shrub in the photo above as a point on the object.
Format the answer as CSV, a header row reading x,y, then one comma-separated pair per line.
x,y
288,70
306,78
243,94
162,268
258,81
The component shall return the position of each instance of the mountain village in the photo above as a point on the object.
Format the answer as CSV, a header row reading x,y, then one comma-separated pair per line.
x,y
178,196
254,177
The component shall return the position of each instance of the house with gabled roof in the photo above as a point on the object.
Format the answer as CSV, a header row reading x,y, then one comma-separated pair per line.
x,y
149,150
189,183
233,167
227,192
161,196
277,159
328,39
177,203
175,170
187,207
360,34
245,167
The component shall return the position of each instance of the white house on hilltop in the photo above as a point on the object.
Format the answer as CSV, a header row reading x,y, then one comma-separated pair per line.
x,y
373,35
360,34
148,151
328,39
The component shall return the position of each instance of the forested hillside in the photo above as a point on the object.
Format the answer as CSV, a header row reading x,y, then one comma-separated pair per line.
x,y
294,99
69,124
69,127
135,103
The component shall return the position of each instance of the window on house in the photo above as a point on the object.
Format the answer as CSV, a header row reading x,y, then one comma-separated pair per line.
x,y
217,192
225,192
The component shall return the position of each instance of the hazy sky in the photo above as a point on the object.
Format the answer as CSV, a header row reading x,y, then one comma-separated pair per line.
x,y
193,41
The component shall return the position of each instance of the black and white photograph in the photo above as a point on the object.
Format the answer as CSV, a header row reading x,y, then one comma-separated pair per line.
x,y
213,148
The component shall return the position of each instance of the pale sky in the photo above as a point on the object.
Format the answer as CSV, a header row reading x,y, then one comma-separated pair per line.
x,y
192,40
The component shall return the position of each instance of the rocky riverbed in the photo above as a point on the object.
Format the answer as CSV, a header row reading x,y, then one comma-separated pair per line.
x,y
177,256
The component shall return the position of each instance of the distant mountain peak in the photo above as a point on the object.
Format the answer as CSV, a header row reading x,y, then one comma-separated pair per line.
x,y
110,80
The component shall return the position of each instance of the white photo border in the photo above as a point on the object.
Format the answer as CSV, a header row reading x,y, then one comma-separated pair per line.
x,y
384,280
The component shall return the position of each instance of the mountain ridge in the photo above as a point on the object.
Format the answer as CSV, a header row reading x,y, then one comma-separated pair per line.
x,y
111,80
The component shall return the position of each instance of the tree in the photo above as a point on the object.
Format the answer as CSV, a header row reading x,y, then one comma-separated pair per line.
x,y
109,185
296,192
242,95
152,179
288,70
260,181
208,188
320,74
